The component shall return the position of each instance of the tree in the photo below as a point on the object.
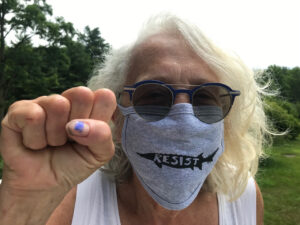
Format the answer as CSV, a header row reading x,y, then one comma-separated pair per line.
x,y
66,60
294,83
286,80
25,19
284,117
94,43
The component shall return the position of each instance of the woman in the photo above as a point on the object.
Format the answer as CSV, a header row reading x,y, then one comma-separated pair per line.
x,y
188,133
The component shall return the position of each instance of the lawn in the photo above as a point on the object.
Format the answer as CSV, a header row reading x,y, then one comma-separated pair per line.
x,y
279,180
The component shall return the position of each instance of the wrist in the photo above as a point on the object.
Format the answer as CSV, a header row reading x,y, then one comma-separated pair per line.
x,y
27,207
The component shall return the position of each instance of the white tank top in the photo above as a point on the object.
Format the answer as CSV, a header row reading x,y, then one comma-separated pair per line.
x,y
96,204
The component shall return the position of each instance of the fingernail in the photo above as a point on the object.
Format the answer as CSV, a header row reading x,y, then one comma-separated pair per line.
x,y
78,128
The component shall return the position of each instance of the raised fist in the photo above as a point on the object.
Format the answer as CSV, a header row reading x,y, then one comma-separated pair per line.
x,y
54,142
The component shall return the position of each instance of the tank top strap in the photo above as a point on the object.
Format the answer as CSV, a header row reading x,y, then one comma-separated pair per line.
x,y
96,201
240,211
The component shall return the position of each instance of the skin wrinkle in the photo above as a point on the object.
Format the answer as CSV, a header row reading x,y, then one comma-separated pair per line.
x,y
168,59
157,56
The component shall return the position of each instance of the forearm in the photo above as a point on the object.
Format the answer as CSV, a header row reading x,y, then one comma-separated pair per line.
x,y
27,208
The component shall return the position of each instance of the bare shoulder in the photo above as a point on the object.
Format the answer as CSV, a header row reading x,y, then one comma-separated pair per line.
x,y
63,214
259,206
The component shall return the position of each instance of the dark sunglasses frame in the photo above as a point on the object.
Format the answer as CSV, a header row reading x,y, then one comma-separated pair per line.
x,y
231,92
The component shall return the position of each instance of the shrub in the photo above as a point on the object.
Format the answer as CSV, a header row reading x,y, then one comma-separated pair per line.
x,y
284,117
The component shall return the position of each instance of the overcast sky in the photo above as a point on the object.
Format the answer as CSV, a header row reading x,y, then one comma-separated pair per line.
x,y
261,32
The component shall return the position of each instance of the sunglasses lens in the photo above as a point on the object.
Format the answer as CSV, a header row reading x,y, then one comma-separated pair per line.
x,y
211,103
152,101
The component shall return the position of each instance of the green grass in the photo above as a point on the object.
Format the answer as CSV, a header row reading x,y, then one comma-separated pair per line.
x,y
279,180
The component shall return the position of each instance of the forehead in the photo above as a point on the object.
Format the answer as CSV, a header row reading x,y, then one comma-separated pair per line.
x,y
170,59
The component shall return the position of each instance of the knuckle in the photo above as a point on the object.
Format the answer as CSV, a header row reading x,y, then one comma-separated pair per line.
x,y
26,111
58,103
105,132
82,89
35,145
36,116
81,93
107,93
17,105
107,98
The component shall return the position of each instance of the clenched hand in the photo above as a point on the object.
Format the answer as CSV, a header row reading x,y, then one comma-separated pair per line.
x,y
54,142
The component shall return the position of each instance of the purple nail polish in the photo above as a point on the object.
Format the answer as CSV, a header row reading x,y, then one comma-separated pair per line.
x,y
79,126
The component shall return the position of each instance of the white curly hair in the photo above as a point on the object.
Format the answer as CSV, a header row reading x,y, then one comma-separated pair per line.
x,y
245,127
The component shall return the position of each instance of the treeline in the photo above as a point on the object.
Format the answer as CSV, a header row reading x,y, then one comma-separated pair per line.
x,y
283,109
64,58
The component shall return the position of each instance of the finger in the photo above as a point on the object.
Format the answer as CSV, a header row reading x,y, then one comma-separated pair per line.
x,y
25,119
94,134
104,105
81,99
57,110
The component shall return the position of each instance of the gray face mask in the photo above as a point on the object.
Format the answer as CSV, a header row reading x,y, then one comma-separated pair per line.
x,y
172,157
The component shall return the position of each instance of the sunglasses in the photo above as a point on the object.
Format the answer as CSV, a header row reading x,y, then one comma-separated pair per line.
x,y
152,100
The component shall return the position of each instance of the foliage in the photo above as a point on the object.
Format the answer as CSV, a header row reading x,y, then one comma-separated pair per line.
x,y
286,80
65,61
25,19
284,117
94,43
284,111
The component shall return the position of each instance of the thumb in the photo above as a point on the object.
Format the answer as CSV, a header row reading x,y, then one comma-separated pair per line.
x,y
95,135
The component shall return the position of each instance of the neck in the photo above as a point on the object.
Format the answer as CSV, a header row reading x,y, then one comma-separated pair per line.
x,y
138,202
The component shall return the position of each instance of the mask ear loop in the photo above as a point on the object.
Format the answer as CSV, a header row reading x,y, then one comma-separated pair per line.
x,y
126,110
118,97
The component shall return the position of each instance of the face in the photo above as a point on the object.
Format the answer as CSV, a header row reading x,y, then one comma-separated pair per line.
x,y
169,59
166,58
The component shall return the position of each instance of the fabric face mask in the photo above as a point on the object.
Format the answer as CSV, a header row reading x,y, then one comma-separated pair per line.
x,y
172,157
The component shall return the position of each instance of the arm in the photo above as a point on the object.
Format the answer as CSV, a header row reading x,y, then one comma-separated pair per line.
x,y
26,208
63,214
259,206
41,164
